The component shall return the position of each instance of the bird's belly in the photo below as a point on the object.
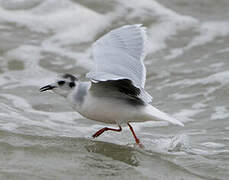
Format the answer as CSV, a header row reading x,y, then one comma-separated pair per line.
x,y
107,110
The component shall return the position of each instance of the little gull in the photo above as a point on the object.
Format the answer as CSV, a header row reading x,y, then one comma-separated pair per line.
x,y
115,91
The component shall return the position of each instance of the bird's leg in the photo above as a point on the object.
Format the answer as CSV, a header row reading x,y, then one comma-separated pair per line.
x,y
135,137
106,129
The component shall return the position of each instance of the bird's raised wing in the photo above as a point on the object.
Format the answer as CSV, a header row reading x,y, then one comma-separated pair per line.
x,y
119,55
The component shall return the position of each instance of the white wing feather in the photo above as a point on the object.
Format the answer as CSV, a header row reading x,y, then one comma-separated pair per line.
x,y
119,54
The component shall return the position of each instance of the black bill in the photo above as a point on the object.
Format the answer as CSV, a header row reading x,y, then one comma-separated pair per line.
x,y
45,88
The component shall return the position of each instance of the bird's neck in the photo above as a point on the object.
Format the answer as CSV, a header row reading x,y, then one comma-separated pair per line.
x,y
78,94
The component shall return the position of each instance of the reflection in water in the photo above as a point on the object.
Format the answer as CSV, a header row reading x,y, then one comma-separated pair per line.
x,y
116,152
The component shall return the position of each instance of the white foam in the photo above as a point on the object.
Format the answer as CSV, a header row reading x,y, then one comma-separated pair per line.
x,y
223,50
32,73
213,145
20,114
17,101
179,96
187,115
202,152
19,4
199,105
61,17
208,31
168,24
217,65
220,77
73,23
169,145
67,23
221,112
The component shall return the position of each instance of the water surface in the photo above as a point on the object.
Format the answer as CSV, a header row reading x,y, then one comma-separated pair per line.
x,y
41,137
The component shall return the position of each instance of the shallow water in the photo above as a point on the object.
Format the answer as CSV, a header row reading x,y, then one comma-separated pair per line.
x,y
41,137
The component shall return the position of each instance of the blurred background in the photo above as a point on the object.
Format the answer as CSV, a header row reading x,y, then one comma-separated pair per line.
x,y
41,137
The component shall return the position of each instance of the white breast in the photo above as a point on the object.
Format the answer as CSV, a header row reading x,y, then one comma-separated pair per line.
x,y
107,110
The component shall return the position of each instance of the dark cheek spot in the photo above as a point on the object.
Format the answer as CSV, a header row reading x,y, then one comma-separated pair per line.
x,y
61,83
71,84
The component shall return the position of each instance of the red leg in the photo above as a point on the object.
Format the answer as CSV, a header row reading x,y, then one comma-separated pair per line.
x,y
106,129
135,137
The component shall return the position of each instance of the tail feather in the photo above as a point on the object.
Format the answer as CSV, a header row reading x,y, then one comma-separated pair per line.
x,y
156,114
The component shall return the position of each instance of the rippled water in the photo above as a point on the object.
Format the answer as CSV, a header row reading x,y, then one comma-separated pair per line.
x,y
41,137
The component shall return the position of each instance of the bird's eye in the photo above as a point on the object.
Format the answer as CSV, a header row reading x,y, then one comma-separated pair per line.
x,y
61,83
71,84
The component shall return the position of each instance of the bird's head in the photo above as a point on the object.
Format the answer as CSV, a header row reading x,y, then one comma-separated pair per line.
x,y
63,85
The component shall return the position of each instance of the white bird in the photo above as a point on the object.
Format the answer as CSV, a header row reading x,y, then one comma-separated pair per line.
x,y
115,91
